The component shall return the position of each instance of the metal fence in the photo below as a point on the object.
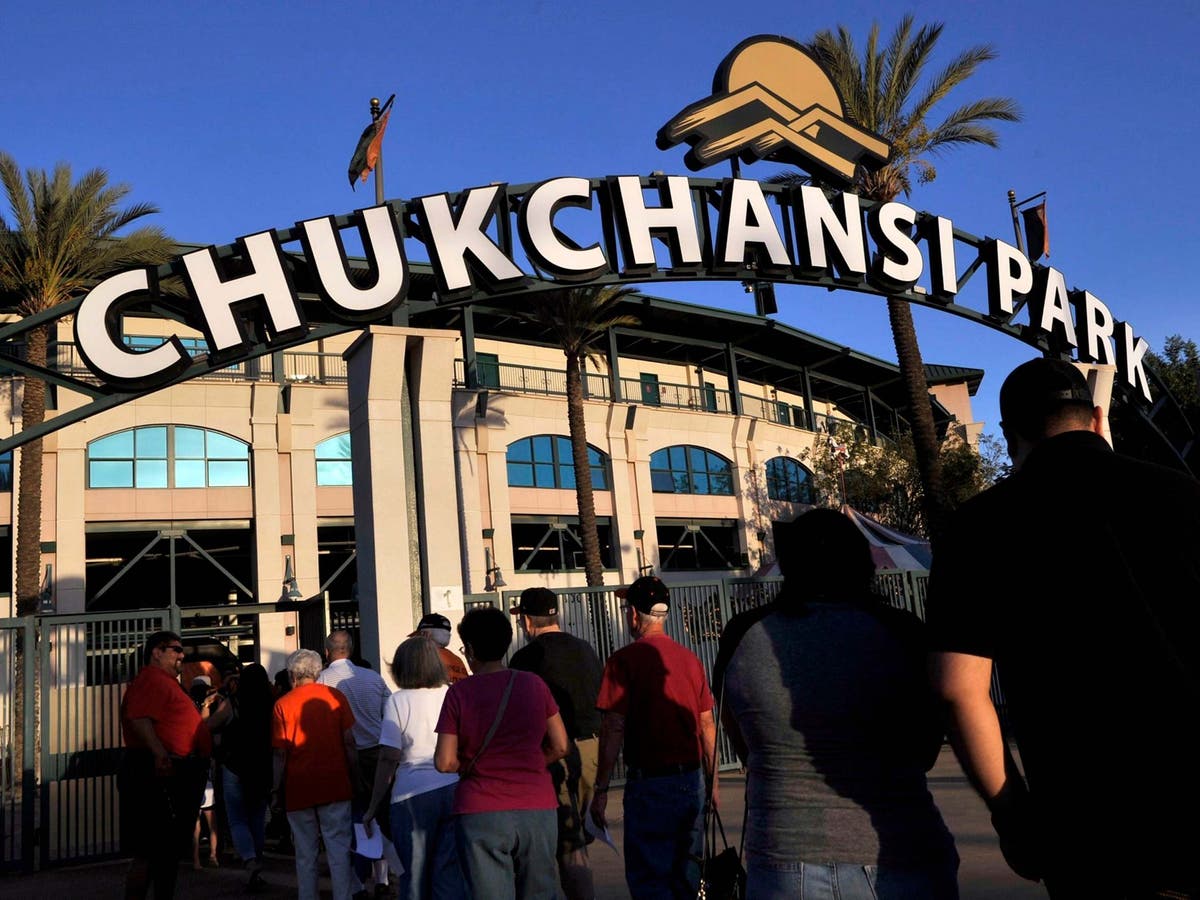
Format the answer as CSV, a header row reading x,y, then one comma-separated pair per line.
x,y
58,798
17,780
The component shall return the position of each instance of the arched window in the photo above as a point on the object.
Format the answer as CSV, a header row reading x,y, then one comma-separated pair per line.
x,y
789,481
544,461
690,470
333,460
168,456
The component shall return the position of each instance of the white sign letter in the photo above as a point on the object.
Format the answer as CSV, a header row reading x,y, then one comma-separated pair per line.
x,y
450,238
381,240
1049,309
96,327
898,264
549,247
1009,277
829,240
267,283
1130,353
1097,324
636,224
746,219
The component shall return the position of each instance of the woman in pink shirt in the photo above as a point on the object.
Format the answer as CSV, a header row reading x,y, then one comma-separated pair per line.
x,y
498,730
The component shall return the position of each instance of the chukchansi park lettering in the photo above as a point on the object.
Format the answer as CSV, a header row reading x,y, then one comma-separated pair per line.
x,y
803,232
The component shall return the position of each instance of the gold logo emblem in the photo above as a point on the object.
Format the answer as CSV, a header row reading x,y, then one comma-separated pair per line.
x,y
771,100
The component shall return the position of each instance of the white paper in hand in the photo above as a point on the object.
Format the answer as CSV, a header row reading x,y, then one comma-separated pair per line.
x,y
368,846
602,835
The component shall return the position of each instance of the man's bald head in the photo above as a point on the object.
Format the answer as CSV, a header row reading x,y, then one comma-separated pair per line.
x,y
339,645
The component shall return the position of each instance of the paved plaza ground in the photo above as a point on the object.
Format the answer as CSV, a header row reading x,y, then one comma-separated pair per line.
x,y
983,874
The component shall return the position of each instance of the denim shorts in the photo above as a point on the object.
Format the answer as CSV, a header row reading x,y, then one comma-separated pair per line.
x,y
846,881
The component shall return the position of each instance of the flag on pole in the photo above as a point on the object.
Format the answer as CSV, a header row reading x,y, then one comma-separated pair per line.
x,y
1037,235
370,144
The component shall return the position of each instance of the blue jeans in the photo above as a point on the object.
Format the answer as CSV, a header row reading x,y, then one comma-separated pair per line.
x,y
845,881
246,811
509,854
423,831
664,836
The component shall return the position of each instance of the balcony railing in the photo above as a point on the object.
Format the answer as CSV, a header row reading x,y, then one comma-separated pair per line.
x,y
552,382
314,368
301,367
528,379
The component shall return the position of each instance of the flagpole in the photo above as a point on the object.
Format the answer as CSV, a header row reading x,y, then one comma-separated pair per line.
x,y
1012,206
375,114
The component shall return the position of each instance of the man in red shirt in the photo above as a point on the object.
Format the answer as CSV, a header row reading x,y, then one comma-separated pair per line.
x,y
164,769
656,701
315,752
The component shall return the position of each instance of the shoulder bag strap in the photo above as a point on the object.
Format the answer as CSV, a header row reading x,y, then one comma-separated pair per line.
x,y
487,738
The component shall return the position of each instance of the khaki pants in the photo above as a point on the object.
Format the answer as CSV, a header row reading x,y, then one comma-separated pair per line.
x,y
575,783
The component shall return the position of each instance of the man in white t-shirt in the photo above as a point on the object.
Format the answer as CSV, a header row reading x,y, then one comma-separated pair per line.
x,y
421,798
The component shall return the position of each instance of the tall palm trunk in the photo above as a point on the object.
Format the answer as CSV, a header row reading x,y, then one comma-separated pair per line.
x,y
592,566
29,502
924,434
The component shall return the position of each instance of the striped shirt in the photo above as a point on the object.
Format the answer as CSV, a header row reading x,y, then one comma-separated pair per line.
x,y
367,693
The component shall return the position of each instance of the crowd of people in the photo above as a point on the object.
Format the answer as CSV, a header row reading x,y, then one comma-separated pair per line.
x,y
836,703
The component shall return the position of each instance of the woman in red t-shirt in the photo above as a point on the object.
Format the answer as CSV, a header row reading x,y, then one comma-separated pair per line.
x,y
498,730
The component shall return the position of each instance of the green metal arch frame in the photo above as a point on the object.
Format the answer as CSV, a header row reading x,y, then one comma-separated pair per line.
x,y
1163,418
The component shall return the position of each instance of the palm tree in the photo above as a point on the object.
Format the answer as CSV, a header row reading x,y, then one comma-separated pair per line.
x,y
577,319
61,241
881,92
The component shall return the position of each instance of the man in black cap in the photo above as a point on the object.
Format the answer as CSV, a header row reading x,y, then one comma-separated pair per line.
x,y
1079,577
572,670
436,627
656,702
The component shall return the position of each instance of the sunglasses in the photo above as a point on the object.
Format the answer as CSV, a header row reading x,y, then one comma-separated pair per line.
x,y
176,647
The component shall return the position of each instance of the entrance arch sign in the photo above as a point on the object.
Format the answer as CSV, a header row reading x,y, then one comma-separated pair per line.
x,y
735,229
281,288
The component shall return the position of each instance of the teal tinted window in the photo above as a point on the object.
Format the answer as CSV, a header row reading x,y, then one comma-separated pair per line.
x,y
164,456
789,481
690,470
546,461
333,461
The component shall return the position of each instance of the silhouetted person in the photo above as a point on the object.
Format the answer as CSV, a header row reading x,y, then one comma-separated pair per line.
x,y
243,721
827,702
1079,576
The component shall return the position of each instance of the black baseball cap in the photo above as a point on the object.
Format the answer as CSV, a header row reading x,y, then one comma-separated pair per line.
x,y
647,595
431,621
536,601
1039,388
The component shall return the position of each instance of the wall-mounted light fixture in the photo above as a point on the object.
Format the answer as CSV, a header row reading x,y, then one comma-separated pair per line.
x,y
492,580
291,590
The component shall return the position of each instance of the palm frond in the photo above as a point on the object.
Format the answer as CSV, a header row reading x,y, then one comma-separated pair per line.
x,y
959,70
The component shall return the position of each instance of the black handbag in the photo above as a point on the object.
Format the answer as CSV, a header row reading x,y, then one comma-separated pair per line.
x,y
722,876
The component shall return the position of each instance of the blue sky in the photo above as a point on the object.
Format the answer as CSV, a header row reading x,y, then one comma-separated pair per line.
x,y
237,117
